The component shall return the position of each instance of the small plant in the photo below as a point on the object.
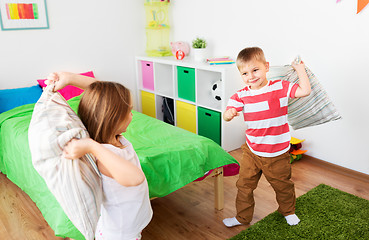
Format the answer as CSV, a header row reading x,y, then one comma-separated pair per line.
x,y
199,43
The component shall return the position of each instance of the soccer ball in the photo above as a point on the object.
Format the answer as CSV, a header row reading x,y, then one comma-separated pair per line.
x,y
216,90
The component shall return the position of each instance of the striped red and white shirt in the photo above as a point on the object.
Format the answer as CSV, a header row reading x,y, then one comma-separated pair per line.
x,y
265,113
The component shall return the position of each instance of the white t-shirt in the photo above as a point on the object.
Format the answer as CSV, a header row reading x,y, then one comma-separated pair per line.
x,y
125,211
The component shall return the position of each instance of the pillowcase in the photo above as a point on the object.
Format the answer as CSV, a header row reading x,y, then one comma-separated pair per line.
x,y
11,98
307,111
69,91
311,110
75,183
277,72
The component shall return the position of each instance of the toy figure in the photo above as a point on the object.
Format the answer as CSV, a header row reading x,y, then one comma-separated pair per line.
x,y
180,49
295,151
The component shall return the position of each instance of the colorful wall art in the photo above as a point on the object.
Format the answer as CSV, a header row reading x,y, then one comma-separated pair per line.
x,y
23,14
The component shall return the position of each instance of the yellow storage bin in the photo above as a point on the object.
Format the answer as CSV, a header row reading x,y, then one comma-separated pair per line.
x,y
148,104
186,116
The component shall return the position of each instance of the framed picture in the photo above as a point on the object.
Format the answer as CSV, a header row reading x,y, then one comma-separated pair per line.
x,y
23,14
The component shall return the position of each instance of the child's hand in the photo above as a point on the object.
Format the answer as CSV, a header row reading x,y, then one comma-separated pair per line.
x,y
76,148
298,66
61,79
230,114
304,88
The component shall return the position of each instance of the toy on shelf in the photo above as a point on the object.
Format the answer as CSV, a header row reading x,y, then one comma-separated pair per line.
x,y
157,28
180,49
295,151
221,60
158,18
216,90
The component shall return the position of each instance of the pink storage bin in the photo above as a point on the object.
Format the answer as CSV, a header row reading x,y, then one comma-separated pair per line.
x,y
147,75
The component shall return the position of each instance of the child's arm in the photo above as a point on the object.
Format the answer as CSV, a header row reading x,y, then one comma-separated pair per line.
x,y
304,88
229,114
62,79
110,164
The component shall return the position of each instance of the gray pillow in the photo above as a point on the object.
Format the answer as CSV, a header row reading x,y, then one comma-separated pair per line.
x,y
312,110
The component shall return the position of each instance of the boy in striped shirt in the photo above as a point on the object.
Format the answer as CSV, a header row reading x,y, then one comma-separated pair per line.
x,y
264,106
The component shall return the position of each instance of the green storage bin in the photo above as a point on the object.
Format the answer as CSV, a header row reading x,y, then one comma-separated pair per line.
x,y
209,124
186,83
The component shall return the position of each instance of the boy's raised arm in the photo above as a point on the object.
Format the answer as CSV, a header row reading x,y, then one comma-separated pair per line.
x,y
304,88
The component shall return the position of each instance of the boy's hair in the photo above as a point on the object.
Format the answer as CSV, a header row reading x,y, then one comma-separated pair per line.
x,y
248,54
103,106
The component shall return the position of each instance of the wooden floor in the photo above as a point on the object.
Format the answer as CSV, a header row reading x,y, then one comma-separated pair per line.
x,y
189,212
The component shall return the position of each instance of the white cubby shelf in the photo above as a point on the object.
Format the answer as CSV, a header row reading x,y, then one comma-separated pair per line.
x,y
189,85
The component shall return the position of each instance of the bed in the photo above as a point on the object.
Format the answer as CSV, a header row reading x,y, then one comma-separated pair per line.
x,y
170,157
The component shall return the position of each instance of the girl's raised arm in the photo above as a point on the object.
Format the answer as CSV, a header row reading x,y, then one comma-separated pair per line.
x,y
62,79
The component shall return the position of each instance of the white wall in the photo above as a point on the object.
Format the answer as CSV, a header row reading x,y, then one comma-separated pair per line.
x,y
103,36
332,40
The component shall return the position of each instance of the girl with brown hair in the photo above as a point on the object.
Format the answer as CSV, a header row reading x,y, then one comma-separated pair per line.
x,y
105,110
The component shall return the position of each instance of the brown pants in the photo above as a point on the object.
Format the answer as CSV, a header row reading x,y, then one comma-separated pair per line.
x,y
277,170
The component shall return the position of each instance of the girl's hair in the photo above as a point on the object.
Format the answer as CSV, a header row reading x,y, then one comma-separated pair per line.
x,y
103,106
248,54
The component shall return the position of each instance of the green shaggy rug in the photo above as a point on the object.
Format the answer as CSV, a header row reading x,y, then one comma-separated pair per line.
x,y
325,213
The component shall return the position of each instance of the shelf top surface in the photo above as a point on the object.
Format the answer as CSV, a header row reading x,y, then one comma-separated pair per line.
x,y
188,62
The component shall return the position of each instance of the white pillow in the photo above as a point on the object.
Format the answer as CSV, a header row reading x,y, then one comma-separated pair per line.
x,y
76,184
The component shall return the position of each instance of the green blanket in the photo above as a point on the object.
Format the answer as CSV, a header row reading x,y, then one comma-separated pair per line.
x,y
170,158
